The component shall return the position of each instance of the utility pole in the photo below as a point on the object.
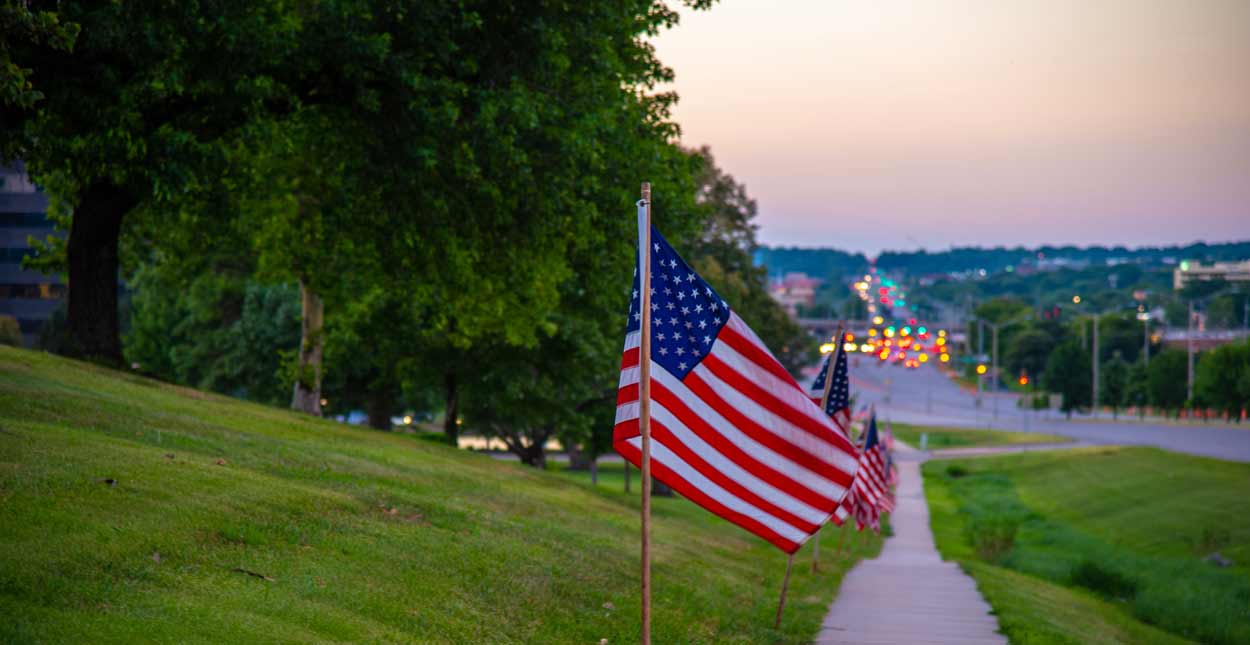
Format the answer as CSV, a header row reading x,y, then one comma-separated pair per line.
x,y
1094,406
994,373
1189,342
1145,345
980,353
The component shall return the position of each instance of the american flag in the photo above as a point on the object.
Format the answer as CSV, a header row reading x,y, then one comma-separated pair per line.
x,y
730,428
838,407
872,493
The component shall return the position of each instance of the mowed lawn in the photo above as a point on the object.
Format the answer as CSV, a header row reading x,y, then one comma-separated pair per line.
x,y
1101,544
133,511
968,437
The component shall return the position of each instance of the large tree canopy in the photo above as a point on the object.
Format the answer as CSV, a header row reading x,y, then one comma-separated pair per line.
x,y
482,130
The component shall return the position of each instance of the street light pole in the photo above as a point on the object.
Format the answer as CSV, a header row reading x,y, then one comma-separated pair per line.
x,y
1094,404
994,374
1145,345
980,353
1189,342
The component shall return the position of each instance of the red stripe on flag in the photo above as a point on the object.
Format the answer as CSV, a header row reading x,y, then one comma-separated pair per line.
x,y
687,490
660,433
755,354
763,436
736,454
766,400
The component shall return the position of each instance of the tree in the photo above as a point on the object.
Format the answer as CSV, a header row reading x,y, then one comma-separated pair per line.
x,y
140,114
20,24
1119,333
1137,391
1227,310
220,332
1167,378
1068,373
724,255
1219,380
1028,351
1113,389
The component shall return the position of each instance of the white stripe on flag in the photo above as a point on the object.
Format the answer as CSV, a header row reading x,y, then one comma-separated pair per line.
x,y
662,454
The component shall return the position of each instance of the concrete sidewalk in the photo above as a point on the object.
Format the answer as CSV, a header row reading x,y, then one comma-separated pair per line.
x,y
908,594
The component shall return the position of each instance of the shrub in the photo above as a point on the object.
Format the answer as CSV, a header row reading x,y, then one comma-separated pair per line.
x,y
993,538
1101,580
10,331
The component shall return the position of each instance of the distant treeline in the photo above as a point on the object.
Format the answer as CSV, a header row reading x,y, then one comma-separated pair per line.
x,y
820,263
823,262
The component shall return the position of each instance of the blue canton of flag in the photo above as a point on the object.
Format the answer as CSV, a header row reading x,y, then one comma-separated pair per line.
x,y
686,312
840,391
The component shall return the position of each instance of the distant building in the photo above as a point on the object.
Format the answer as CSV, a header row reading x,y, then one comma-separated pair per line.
x,y
793,290
28,296
1191,271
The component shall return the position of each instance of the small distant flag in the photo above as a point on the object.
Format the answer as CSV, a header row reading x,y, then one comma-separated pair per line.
x,y
832,391
730,428
838,406
872,491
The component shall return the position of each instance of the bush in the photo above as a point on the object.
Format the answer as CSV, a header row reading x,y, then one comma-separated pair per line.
x,y
993,538
10,331
1096,578
955,471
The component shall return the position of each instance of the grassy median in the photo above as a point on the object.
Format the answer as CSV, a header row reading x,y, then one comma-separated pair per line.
x,y
940,438
1101,544
133,511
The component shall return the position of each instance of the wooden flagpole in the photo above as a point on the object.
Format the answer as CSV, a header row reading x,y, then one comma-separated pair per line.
x,y
644,399
785,584
824,405
842,537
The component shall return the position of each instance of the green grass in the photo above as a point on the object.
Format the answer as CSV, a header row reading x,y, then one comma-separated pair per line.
x,y
1110,540
969,437
359,535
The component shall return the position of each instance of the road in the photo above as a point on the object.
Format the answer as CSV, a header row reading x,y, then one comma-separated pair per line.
x,y
925,396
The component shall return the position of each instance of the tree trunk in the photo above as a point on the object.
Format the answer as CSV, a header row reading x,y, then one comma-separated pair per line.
x,y
381,404
534,454
660,489
579,459
451,430
92,329
307,395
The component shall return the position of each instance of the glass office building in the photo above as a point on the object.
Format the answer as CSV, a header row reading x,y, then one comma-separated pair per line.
x,y
29,296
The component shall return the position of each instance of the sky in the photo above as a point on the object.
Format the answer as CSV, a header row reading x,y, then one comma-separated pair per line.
x,y
937,123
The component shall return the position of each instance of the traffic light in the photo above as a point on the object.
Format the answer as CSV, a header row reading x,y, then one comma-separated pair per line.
x,y
982,369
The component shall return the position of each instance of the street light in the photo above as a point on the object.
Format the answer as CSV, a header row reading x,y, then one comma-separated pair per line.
x,y
1189,335
994,327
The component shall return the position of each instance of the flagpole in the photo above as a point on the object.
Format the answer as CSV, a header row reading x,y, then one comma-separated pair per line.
x,y
785,584
644,399
824,406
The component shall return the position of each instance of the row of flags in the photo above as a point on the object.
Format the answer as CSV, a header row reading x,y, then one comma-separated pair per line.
x,y
721,422
871,493
731,430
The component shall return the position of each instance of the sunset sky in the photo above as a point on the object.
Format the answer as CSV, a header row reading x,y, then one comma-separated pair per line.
x,y
932,123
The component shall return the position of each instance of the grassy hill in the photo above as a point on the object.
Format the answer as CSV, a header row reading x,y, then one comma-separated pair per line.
x,y
1101,544
132,510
